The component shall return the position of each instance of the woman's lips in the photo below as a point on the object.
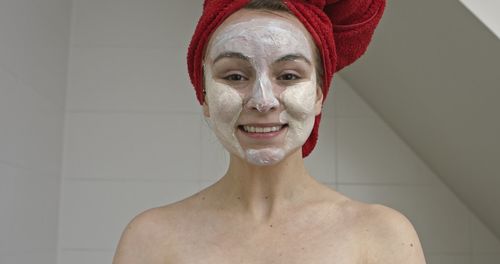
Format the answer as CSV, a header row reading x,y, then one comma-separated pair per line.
x,y
258,132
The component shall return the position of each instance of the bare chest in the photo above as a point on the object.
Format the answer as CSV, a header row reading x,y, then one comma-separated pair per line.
x,y
317,245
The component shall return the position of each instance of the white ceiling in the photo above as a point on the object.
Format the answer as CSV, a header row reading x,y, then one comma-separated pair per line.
x,y
433,73
487,12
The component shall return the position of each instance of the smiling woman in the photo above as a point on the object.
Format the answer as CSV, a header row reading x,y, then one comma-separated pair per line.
x,y
262,94
255,68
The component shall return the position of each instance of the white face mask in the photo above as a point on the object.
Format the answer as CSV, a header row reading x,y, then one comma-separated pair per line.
x,y
261,44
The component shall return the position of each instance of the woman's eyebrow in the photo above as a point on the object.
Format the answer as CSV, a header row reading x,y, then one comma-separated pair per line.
x,y
230,54
292,57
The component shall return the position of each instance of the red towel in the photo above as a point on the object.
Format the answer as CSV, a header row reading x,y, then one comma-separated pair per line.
x,y
342,30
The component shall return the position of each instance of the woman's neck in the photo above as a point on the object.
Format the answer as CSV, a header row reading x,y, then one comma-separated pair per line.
x,y
262,192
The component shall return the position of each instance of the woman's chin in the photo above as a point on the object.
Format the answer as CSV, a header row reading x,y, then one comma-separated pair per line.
x,y
265,156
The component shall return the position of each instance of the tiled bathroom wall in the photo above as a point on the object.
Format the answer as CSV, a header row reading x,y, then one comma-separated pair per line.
x,y
34,46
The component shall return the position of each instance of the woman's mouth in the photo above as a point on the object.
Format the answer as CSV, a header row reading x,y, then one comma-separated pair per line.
x,y
262,132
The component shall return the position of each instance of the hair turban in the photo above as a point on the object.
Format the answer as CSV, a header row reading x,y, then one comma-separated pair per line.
x,y
341,29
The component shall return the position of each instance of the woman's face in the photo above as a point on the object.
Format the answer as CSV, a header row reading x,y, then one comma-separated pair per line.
x,y
261,88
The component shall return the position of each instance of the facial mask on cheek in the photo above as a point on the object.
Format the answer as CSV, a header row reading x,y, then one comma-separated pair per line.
x,y
299,101
225,105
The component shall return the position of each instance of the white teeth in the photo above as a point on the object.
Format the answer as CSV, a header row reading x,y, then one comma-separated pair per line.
x,y
253,129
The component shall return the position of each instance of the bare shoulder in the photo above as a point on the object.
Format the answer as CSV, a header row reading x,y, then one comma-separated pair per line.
x,y
390,236
145,236
382,234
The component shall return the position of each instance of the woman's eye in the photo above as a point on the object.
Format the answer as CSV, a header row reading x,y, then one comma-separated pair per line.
x,y
288,77
235,77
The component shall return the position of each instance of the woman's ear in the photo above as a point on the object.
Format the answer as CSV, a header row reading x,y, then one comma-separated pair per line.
x,y
319,101
206,111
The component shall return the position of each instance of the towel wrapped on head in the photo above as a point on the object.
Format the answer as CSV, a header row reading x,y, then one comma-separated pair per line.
x,y
341,29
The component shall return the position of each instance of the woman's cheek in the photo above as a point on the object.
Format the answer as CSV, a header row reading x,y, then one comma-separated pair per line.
x,y
226,102
225,105
299,100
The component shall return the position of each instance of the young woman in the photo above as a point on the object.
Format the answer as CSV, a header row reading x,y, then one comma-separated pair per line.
x,y
261,70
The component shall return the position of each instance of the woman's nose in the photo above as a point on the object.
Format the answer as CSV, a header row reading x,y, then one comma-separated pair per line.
x,y
262,98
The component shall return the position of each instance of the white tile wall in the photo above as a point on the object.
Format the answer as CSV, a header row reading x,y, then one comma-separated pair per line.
x,y
29,136
441,221
132,146
448,259
7,205
48,256
346,103
130,79
95,212
33,63
68,256
130,23
135,138
370,152
321,162
483,240
214,157
35,42
486,259
31,217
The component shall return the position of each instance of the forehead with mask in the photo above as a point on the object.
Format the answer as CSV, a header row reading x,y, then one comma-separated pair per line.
x,y
262,91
